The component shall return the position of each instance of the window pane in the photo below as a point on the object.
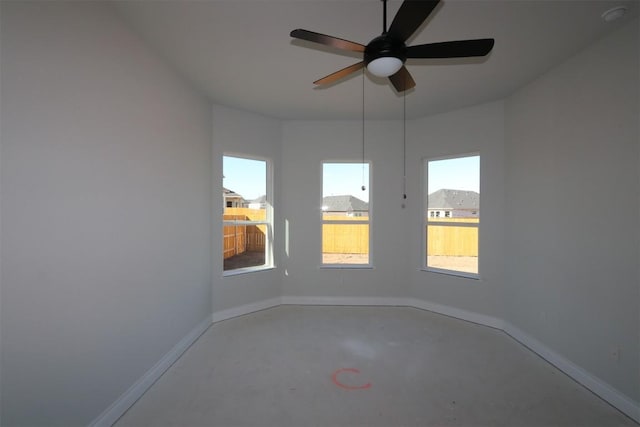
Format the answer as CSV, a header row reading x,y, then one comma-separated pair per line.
x,y
342,189
244,246
459,264
453,197
245,184
453,248
453,188
345,243
345,198
245,199
339,216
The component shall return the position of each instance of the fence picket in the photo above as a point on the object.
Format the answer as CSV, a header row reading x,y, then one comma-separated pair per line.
x,y
345,238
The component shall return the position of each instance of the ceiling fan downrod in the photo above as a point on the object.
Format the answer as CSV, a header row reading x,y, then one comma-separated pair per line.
x,y
384,16
385,55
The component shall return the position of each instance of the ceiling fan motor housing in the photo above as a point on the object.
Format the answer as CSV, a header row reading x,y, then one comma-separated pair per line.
x,y
386,55
385,46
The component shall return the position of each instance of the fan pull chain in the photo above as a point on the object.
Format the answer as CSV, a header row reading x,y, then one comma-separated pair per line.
x,y
404,143
364,187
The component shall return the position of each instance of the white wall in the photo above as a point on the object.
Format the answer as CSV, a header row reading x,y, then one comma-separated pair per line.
x,y
106,207
564,145
241,133
396,239
306,144
476,129
109,196
572,216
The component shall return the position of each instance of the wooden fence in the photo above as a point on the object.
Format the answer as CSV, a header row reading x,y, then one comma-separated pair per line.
x,y
346,238
451,240
442,240
238,239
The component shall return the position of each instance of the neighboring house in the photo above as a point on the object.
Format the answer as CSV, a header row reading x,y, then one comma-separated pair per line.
x,y
447,203
345,205
232,199
258,203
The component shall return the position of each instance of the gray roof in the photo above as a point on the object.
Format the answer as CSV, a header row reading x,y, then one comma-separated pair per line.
x,y
344,204
230,193
261,199
454,199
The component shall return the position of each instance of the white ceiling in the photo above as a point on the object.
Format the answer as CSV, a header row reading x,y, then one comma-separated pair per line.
x,y
240,54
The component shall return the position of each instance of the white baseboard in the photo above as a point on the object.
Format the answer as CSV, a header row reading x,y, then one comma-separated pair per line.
x,y
241,310
355,301
129,397
397,302
458,313
595,384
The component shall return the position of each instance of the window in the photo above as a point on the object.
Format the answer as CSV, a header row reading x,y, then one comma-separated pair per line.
x,y
451,241
247,218
345,215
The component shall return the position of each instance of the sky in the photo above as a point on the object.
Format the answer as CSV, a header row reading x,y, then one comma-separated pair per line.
x,y
461,173
247,177
341,179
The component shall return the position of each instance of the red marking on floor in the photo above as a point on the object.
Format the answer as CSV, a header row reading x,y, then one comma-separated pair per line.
x,y
334,377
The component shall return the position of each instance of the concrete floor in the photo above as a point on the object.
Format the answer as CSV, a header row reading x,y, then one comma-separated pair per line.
x,y
363,366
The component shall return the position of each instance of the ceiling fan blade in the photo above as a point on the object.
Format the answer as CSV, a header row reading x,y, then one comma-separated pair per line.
x,y
333,77
410,16
454,49
402,80
327,40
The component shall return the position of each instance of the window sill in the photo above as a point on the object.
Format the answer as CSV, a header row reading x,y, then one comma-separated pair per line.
x,y
247,270
463,274
346,267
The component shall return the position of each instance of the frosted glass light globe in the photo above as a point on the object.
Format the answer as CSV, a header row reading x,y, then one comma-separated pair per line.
x,y
385,66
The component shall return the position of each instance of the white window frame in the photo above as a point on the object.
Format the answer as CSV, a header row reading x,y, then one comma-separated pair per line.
x,y
426,222
269,263
368,222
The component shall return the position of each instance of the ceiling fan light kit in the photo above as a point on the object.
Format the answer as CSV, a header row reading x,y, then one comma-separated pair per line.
x,y
386,54
384,66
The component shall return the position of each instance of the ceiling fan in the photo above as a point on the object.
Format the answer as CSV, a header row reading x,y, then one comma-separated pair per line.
x,y
386,54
